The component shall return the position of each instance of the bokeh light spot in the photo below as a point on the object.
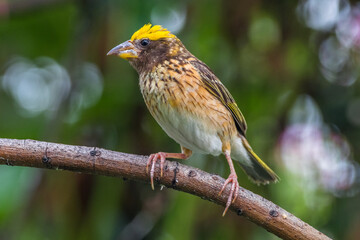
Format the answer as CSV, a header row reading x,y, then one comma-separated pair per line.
x,y
264,33
322,14
319,156
171,18
37,86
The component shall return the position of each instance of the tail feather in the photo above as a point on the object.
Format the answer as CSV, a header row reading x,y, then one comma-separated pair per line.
x,y
257,171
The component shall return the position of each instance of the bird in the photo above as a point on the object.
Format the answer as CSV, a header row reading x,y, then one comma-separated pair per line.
x,y
191,105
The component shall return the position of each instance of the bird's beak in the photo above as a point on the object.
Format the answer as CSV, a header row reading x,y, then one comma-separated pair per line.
x,y
125,50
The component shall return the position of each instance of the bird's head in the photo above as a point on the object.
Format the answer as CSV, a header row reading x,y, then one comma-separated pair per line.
x,y
149,46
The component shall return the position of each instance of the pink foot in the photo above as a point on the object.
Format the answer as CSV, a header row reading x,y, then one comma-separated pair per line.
x,y
152,161
162,156
233,191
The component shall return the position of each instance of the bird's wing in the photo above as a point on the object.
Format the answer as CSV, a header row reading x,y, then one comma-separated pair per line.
x,y
216,88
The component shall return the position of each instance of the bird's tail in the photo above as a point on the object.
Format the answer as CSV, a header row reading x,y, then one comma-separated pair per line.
x,y
255,168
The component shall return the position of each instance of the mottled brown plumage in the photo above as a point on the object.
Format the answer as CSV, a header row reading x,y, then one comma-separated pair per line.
x,y
191,105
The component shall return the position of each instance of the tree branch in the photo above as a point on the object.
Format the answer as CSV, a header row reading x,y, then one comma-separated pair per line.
x,y
184,178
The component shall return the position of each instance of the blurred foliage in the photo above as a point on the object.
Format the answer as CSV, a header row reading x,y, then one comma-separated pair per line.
x,y
292,66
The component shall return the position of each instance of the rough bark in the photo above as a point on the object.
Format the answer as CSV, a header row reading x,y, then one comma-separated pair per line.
x,y
184,178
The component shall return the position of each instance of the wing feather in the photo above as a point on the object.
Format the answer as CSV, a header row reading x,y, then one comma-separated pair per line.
x,y
216,88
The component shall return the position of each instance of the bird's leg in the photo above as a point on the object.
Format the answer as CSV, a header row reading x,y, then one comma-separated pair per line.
x,y
186,153
234,183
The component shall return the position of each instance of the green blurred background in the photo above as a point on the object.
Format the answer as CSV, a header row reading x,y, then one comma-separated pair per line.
x,y
292,66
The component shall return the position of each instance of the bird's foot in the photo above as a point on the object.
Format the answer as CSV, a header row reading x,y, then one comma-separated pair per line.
x,y
152,161
162,156
233,190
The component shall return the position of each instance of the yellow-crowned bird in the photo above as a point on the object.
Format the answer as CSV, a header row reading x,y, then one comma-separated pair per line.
x,y
191,105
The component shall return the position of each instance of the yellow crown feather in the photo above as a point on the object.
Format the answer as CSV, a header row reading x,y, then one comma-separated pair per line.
x,y
155,32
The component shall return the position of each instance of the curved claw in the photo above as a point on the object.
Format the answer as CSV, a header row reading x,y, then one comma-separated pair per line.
x,y
151,157
162,161
152,161
233,190
152,170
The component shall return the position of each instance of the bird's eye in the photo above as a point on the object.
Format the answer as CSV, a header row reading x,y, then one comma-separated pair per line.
x,y
145,42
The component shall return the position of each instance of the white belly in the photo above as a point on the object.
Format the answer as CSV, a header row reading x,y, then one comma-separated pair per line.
x,y
190,132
